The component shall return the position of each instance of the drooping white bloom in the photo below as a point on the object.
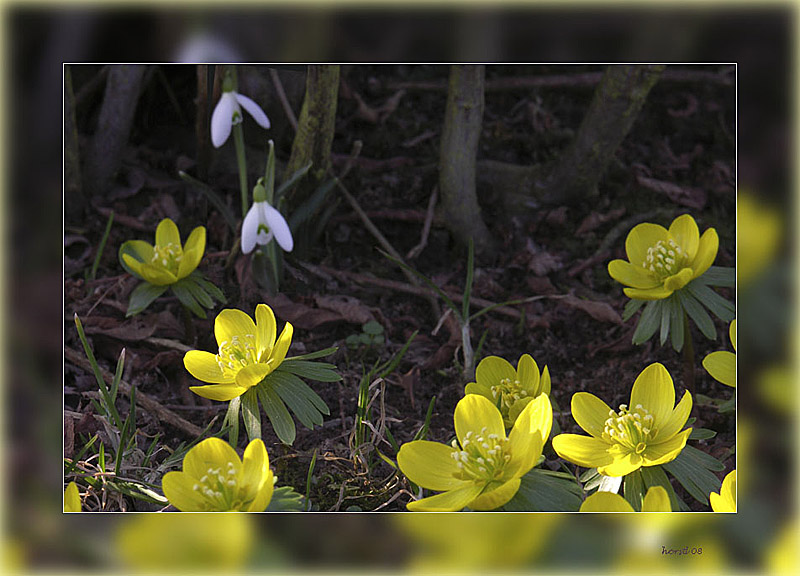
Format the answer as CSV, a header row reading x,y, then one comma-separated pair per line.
x,y
229,112
262,223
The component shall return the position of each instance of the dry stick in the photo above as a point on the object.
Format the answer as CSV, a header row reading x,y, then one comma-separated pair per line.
x,y
426,228
287,109
145,401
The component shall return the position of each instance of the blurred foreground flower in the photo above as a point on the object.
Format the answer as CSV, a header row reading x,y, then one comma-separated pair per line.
x,y
168,543
656,500
248,351
214,479
722,364
511,390
661,261
228,113
72,498
263,222
168,261
482,469
725,501
647,434
758,228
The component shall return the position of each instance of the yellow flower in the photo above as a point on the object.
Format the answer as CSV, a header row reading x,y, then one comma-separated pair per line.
x,y
214,479
725,501
482,469
248,352
759,230
168,261
646,434
661,261
72,498
511,390
722,364
656,500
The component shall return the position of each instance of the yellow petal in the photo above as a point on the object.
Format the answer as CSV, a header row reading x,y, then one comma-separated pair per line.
x,y
142,251
204,366
606,502
642,237
725,501
473,413
252,375
679,280
264,496
666,451
732,333
492,369
255,473
590,412
516,409
677,419
192,252
219,392
654,390
167,233
528,436
544,383
685,232
656,500
281,346
430,465
451,501
157,275
657,293
476,388
722,367
584,451
232,322
706,252
500,496
210,453
196,240
134,264
719,504
623,463
632,274
72,498
266,329
528,372
177,488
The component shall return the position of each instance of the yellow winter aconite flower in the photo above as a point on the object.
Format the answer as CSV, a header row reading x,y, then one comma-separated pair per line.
x,y
725,501
647,433
214,479
722,364
168,261
248,351
482,469
656,500
511,390
72,498
759,230
661,261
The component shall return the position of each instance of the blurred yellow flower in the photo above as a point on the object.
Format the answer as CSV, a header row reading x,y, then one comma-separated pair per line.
x,y
511,390
782,556
722,364
214,479
248,351
482,469
656,500
168,261
661,261
725,501
646,434
758,228
72,498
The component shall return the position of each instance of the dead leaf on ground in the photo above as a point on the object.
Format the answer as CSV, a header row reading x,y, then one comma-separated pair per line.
x,y
350,308
600,311
300,315
542,262
691,197
133,330
595,219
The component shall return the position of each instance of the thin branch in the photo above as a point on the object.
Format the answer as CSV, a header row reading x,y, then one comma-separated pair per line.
x,y
287,108
426,228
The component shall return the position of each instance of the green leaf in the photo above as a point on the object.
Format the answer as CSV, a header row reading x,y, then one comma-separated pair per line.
x,y
302,400
692,469
545,491
285,499
142,296
209,287
676,323
277,413
728,405
319,371
588,474
232,420
648,322
423,431
202,297
310,207
372,328
313,355
251,414
697,313
291,181
666,313
718,305
701,434
388,367
187,300
719,276
655,476
702,459
631,307
633,488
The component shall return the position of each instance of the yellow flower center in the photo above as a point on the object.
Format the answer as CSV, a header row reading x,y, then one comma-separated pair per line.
x,y
481,457
665,258
239,352
630,428
509,392
168,256
219,489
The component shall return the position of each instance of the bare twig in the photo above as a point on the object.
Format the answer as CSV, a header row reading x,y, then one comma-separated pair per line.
x,y
426,228
287,108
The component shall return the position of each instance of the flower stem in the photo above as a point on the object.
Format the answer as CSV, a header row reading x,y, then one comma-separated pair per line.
x,y
238,139
188,326
688,356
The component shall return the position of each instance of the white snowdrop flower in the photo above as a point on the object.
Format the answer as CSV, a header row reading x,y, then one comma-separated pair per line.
x,y
263,223
229,112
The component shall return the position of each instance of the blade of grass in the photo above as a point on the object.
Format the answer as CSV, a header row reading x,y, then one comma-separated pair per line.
x,y
101,247
109,404
468,284
308,480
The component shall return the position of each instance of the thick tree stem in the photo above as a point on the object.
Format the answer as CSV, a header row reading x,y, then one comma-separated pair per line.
x,y
459,148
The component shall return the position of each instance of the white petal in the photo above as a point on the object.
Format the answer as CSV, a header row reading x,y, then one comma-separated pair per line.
x,y
222,119
255,110
263,237
277,224
250,229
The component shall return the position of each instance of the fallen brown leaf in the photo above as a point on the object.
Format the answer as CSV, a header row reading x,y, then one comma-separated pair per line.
x,y
600,311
